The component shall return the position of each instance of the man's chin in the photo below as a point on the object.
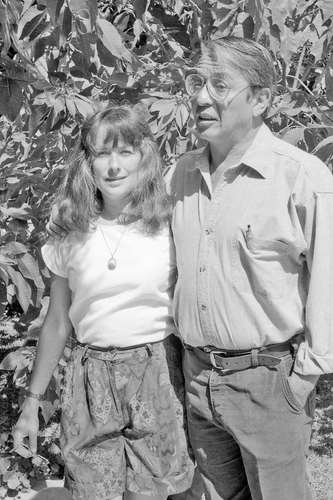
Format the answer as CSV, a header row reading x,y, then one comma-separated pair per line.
x,y
207,129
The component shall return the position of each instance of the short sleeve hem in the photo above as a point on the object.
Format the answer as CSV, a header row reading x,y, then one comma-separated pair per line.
x,y
53,258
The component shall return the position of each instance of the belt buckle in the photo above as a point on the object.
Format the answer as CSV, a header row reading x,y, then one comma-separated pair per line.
x,y
213,361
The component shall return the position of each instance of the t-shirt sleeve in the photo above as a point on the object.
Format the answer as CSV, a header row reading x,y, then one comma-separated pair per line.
x,y
55,255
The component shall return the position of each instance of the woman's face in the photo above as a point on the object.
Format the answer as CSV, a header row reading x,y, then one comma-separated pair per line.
x,y
115,170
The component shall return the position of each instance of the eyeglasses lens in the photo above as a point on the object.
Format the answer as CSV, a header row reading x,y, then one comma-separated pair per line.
x,y
194,83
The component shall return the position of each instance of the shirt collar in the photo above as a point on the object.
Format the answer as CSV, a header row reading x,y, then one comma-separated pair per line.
x,y
200,159
201,162
259,156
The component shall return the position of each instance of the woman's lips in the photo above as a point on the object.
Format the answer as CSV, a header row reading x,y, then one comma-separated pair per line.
x,y
114,179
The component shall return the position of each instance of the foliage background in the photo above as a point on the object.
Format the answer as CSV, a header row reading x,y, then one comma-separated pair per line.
x,y
59,57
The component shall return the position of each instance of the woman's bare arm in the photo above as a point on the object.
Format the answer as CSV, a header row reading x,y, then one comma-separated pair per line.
x,y
55,331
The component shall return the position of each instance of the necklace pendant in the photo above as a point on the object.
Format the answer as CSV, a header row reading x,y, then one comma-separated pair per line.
x,y
112,264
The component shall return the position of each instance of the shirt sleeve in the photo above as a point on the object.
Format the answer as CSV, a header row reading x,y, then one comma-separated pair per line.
x,y
54,253
315,205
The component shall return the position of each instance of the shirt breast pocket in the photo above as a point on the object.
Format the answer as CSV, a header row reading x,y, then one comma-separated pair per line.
x,y
262,267
266,248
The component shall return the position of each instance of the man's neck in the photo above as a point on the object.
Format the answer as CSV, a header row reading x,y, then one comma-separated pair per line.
x,y
221,158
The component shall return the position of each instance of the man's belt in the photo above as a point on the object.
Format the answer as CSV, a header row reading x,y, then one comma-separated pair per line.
x,y
226,360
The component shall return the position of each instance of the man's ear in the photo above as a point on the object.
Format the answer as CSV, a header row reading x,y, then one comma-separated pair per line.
x,y
261,101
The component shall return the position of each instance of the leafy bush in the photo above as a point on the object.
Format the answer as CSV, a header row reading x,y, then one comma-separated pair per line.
x,y
58,57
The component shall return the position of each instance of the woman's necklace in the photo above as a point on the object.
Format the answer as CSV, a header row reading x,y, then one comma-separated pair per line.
x,y
112,262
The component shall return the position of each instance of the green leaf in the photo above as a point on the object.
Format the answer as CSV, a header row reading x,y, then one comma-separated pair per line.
x,y
182,115
112,41
120,79
4,260
256,11
5,32
325,142
22,289
36,325
31,18
47,409
84,8
10,361
4,465
66,24
23,72
163,106
71,106
293,135
14,248
11,97
29,268
138,28
329,79
140,7
327,8
17,213
281,9
84,107
20,361
13,481
54,8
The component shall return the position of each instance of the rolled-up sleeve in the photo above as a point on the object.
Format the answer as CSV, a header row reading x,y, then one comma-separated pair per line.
x,y
315,353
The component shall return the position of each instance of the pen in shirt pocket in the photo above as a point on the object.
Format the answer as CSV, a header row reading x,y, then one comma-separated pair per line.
x,y
248,232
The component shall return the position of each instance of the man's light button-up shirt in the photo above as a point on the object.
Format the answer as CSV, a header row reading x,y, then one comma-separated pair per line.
x,y
255,255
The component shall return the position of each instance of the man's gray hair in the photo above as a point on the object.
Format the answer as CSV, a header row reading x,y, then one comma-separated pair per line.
x,y
251,59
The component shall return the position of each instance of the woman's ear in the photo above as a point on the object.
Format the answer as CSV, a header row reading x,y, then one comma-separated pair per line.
x,y
262,101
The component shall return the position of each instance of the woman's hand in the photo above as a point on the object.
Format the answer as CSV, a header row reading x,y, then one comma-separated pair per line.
x,y
27,427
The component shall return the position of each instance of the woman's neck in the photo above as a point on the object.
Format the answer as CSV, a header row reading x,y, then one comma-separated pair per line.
x,y
113,210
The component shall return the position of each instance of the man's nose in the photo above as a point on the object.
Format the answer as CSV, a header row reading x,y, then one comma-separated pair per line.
x,y
203,96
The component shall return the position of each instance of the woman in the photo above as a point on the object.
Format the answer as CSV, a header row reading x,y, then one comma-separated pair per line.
x,y
122,410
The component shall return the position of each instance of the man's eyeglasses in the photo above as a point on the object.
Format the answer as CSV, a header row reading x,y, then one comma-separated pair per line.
x,y
218,91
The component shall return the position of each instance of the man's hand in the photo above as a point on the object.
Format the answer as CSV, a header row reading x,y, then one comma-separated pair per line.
x,y
301,386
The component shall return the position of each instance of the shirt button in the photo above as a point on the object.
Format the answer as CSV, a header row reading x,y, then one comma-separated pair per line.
x,y
203,307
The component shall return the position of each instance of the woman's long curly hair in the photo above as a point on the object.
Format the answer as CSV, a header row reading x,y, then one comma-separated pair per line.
x,y
79,202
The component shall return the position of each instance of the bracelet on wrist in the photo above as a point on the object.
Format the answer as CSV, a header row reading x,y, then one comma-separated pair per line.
x,y
34,395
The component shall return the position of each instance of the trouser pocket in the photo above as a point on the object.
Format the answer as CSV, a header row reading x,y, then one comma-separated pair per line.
x,y
285,369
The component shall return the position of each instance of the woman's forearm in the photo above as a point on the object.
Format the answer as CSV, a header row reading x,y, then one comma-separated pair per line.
x,y
52,340
55,331
50,348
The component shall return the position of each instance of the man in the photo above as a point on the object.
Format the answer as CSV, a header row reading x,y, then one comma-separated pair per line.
x,y
253,229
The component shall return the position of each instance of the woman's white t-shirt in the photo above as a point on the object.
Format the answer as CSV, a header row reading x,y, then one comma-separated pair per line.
x,y
128,305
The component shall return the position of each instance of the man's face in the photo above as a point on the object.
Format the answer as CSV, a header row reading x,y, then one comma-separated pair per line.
x,y
223,107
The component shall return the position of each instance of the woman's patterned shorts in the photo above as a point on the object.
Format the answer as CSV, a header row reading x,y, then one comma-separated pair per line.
x,y
123,422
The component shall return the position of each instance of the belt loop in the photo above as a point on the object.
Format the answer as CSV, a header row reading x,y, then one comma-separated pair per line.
x,y
254,358
84,355
149,350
